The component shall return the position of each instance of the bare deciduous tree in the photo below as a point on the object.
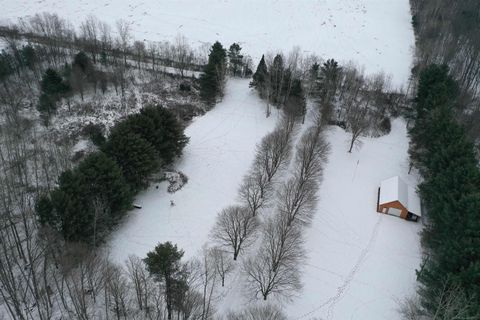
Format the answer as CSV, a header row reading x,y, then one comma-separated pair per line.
x,y
124,33
206,276
90,34
451,302
274,150
223,265
275,267
183,52
117,290
139,47
252,192
297,199
311,152
234,229
141,281
358,123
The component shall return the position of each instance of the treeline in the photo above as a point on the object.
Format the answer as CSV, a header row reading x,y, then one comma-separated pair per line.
x,y
46,49
273,210
66,62
94,195
55,38
236,226
220,63
343,95
447,33
450,276
279,82
275,268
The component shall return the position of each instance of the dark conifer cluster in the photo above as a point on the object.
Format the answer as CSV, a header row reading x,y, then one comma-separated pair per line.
x,y
92,197
451,195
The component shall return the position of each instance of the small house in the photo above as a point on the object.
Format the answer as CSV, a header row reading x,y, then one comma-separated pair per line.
x,y
397,198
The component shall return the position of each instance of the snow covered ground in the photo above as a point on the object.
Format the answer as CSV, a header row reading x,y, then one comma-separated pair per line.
x,y
361,263
220,151
373,33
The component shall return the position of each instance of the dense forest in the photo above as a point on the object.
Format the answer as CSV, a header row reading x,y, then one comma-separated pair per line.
x,y
447,33
443,137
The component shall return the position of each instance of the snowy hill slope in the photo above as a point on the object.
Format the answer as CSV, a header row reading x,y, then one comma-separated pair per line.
x,y
373,33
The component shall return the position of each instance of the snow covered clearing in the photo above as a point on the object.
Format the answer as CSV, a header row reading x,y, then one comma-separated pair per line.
x,y
373,33
361,263
220,151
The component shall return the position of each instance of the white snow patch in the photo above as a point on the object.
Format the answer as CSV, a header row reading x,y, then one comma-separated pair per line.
x,y
81,145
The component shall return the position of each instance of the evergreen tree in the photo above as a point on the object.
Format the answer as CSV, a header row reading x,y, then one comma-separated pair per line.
x,y
103,57
53,85
213,77
82,61
164,265
329,78
277,73
314,70
436,94
235,58
296,106
88,200
169,139
436,88
44,209
6,68
29,56
136,157
160,127
53,88
261,78
95,133
46,106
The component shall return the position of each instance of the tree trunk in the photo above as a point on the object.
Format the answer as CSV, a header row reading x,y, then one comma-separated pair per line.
x,y
351,144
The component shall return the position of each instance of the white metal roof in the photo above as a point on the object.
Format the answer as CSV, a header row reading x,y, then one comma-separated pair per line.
x,y
395,189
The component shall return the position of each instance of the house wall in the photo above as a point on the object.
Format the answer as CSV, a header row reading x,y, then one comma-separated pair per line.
x,y
383,208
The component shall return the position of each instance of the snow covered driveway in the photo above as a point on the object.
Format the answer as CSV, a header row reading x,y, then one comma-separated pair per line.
x,y
220,152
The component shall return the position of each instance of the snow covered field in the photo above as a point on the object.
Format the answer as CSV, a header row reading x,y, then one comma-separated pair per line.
x,y
220,151
373,33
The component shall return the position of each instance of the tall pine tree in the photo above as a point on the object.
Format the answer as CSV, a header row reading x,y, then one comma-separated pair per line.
x,y
53,88
213,78
235,59
260,79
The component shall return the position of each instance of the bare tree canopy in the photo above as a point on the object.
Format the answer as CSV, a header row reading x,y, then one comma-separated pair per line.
x,y
234,229
275,268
